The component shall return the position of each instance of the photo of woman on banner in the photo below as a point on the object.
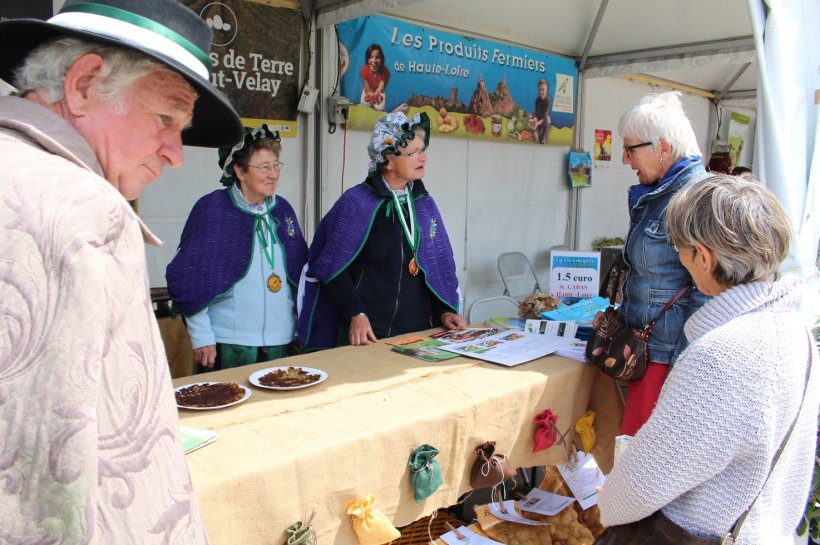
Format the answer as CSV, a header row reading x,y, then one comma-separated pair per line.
x,y
540,121
374,76
381,263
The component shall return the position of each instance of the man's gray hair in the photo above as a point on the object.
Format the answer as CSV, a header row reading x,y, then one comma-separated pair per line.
x,y
740,220
661,117
45,68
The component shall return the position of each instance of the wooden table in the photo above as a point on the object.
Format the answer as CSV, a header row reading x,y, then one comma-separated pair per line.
x,y
282,455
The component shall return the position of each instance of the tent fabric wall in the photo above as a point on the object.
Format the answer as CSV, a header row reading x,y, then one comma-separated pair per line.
x,y
788,52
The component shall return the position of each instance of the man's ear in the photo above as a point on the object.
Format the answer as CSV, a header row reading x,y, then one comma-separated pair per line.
x,y
79,83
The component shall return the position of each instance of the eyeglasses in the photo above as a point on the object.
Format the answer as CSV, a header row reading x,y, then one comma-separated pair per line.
x,y
418,152
629,149
267,168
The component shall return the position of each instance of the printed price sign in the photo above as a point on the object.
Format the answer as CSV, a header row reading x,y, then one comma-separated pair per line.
x,y
575,274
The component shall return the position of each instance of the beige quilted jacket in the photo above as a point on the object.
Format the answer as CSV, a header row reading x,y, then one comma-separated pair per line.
x,y
89,442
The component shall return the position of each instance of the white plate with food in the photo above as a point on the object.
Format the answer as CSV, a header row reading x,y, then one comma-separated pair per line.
x,y
288,377
208,396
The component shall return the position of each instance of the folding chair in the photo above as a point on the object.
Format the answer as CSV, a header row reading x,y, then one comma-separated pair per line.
x,y
492,307
518,275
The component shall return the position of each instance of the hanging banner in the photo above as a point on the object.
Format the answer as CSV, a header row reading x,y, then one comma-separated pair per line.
x,y
470,88
255,59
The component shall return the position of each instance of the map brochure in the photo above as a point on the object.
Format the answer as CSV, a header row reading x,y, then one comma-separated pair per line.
x,y
581,312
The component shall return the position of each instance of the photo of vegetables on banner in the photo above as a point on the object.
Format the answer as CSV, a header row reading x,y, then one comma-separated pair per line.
x,y
469,87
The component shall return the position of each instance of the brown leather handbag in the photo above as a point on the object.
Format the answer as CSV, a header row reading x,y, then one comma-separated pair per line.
x,y
618,350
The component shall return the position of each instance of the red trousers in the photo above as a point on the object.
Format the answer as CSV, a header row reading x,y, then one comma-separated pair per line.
x,y
641,397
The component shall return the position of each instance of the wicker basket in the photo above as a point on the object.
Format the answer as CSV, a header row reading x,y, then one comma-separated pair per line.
x,y
418,533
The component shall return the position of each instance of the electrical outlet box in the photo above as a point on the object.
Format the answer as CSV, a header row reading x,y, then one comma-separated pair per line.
x,y
307,100
338,107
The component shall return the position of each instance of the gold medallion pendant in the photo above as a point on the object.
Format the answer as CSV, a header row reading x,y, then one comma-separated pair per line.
x,y
413,267
274,282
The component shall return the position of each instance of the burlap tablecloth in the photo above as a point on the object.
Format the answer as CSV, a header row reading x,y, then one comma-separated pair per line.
x,y
282,455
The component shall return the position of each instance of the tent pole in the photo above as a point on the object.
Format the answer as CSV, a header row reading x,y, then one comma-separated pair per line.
x,y
592,33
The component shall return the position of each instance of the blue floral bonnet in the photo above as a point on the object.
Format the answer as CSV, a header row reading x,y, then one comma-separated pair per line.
x,y
391,132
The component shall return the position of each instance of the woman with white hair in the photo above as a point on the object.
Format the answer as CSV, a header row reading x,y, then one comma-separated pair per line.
x,y
709,450
660,145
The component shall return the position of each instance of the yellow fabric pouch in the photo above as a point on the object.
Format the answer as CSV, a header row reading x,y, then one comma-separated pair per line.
x,y
372,527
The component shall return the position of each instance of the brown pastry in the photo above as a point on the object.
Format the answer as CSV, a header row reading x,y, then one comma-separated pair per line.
x,y
288,378
209,395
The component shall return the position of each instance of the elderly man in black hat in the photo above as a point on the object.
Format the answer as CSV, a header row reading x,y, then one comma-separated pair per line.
x,y
108,91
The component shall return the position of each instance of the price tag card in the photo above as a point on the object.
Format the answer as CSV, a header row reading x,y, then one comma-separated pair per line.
x,y
575,274
583,477
466,537
506,511
544,503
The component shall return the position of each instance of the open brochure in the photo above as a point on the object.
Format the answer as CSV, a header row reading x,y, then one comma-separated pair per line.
x,y
510,347
194,438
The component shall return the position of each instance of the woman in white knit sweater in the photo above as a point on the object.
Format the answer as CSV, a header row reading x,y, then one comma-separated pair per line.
x,y
705,452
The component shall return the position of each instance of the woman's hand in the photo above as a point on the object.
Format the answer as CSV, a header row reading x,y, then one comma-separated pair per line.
x,y
452,321
360,331
205,355
598,317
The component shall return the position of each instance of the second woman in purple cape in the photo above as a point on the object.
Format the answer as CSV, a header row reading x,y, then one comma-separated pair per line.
x,y
381,263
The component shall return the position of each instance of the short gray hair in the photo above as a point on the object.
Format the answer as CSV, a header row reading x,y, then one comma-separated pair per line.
x,y
740,220
45,68
661,117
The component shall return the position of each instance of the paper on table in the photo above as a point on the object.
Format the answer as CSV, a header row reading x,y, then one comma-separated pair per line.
x,y
426,349
575,351
583,478
194,438
463,335
544,503
510,347
551,327
468,538
510,514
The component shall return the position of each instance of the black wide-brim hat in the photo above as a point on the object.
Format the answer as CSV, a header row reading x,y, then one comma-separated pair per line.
x,y
164,30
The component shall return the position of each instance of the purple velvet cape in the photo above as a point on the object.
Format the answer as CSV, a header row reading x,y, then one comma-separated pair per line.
x,y
339,239
215,250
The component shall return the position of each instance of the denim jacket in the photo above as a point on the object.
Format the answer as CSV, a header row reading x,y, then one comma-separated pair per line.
x,y
655,273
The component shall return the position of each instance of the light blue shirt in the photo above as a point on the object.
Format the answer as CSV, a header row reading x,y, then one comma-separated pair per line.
x,y
249,314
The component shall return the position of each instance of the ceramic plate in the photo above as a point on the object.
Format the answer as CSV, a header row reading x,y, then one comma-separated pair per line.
x,y
240,400
254,378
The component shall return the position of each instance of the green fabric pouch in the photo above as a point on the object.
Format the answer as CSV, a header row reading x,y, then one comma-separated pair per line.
x,y
425,472
301,534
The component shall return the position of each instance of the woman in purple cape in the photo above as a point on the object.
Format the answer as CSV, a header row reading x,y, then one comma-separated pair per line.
x,y
381,263
238,263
